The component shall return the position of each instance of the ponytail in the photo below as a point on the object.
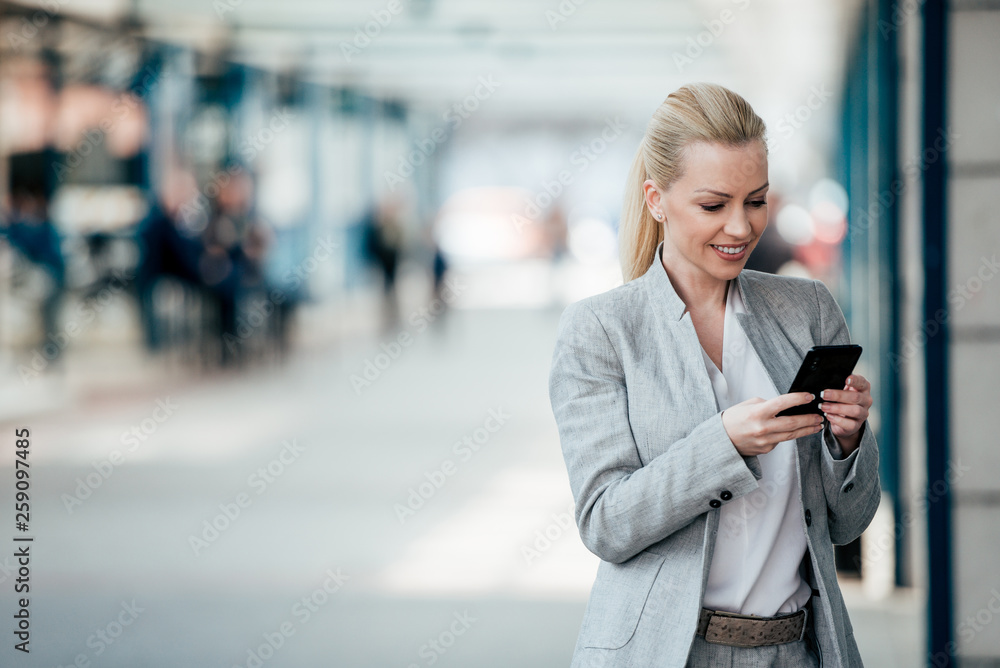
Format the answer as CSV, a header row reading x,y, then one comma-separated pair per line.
x,y
638,232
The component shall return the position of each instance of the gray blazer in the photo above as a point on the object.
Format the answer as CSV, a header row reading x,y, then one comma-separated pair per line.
x,y
646,453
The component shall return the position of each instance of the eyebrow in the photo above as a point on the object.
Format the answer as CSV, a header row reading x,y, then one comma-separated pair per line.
x,y
716,192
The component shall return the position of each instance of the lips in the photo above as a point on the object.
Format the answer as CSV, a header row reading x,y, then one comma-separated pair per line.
x,y
731,253
732,250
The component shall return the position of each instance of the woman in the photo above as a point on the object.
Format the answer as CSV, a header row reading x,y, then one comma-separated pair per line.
x,y
715,520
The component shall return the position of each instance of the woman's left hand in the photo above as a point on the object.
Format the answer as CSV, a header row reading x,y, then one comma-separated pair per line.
x,y
847,410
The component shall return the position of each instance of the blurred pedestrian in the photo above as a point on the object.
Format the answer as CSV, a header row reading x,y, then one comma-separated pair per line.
x,y
383,241
167,248
231,265
33,234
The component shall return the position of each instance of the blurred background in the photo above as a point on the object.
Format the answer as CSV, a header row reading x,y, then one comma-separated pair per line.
x,y
279,284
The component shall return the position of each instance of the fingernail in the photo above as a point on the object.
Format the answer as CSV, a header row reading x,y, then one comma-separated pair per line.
x,y
823,394
849,380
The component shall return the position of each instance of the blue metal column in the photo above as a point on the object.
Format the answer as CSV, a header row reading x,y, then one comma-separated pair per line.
x,y
887,78
935,255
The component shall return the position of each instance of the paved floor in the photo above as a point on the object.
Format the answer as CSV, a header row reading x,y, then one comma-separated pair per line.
x,y
279,517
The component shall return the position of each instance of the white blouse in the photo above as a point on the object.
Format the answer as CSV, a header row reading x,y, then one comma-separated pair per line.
x,y
761,538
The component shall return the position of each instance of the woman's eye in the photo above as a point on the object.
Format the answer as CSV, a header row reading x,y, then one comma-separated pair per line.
x,y
758,203
712,207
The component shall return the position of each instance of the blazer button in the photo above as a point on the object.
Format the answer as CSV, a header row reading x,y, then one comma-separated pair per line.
x,y
809,518
848,487
726,495
715,503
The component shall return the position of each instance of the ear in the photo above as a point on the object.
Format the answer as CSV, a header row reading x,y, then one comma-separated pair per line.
x,y
653,199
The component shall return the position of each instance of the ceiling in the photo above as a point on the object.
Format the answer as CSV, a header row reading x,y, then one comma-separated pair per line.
x,y
553,60
552,63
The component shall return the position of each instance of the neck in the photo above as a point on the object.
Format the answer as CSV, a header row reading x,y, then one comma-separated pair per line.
x,y
698,290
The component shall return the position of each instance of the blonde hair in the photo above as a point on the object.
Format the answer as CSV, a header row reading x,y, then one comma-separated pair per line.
x,y
695,112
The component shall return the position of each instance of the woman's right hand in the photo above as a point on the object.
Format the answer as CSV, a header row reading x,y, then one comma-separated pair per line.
x,y
754,429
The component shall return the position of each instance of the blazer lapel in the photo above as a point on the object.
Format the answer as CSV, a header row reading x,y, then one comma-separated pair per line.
x,y
766,337
759,322
669,311
776,353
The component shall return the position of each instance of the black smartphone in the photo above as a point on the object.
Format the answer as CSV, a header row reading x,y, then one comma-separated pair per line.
x,y
824,368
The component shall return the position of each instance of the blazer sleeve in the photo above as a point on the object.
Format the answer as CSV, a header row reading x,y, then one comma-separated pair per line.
x,y
623,507
851,484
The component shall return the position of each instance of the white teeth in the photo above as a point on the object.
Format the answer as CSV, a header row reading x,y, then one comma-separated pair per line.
x,y
731,251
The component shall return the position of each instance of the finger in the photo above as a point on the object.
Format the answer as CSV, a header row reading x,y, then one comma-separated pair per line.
x,y
847,397
847,425
799,433
858,381
783,401
790,423
853,411
841,396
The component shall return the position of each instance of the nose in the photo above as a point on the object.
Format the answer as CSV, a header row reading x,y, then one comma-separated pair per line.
x,y
738,224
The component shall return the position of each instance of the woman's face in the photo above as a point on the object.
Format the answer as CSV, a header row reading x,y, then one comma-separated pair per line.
x,y
717,207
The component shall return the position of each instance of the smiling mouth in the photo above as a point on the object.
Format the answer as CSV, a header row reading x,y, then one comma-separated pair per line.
x,y
732,250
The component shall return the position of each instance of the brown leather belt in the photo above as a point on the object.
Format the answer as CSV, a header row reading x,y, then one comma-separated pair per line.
x,y
729,628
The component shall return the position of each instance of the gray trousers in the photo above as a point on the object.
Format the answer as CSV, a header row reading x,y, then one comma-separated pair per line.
x,y
799,654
